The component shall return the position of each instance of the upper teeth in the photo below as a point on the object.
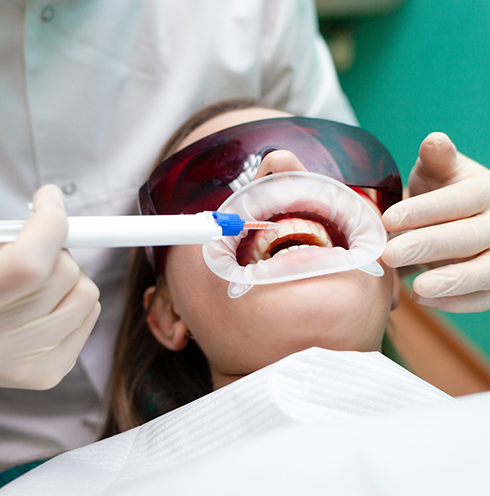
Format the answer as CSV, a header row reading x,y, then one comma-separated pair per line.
x,y
287,228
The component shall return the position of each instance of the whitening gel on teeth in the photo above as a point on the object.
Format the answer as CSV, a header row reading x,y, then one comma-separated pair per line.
x,y
145,230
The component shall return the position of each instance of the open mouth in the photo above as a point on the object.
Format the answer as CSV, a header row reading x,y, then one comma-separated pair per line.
x,y
297,230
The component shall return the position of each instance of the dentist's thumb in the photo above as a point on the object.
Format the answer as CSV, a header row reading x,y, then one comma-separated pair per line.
x,y
437,165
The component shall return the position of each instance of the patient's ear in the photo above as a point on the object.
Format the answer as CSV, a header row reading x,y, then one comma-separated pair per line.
x,y
165,324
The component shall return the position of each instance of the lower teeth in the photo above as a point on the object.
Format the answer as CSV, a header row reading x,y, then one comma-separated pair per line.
x,y
292,248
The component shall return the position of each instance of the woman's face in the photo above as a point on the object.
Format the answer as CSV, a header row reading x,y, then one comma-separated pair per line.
x,y
341,311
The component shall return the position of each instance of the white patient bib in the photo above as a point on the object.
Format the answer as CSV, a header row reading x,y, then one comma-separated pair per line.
x,y
312,387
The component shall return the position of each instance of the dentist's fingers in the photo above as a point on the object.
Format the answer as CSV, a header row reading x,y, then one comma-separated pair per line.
x,y
448,218
461,200
447,241
471,276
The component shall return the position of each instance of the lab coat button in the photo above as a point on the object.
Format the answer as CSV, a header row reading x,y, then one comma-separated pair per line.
x,y
69,188
47,14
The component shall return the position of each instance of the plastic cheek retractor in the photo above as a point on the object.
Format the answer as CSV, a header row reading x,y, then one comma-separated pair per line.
x,y
302,195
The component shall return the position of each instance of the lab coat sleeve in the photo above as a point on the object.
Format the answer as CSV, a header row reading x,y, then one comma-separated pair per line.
x,y
298,72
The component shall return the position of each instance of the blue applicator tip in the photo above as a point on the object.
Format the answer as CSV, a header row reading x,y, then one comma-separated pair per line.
x,y
231,224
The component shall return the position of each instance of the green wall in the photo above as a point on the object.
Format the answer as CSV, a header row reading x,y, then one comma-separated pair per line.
x,y
426,67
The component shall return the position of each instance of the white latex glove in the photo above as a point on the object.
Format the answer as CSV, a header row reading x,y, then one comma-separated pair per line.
x,y
48,306
449,213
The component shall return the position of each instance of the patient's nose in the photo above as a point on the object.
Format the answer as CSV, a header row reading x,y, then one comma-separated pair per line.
x,y
279,161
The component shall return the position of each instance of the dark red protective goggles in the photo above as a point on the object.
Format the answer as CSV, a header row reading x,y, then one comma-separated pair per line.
x,y
203,175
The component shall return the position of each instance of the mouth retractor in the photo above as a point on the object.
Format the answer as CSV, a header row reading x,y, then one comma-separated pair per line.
x,y
314,194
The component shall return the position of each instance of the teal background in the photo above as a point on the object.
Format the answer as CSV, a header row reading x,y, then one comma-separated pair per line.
x,y
426,67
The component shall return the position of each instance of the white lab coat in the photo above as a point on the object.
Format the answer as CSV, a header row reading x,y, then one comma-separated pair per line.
x,y
89,92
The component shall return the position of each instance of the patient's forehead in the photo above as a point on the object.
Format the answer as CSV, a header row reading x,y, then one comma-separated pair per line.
x,y
229,119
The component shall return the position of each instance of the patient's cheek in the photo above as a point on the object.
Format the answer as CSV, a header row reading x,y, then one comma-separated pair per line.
x,y
194,288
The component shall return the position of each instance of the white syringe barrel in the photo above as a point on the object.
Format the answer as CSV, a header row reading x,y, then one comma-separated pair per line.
x,y
142,230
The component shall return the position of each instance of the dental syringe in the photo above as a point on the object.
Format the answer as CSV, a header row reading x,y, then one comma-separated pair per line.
x,y
145,230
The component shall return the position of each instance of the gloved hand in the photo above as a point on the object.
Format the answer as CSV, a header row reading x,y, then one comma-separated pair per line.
x,y
48,306
449,214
